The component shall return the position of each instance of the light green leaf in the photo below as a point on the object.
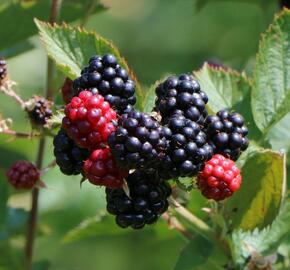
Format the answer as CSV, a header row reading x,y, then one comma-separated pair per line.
x,y
149,100
258,201
71,49
264,242
227,89
200,254
185,183
271,85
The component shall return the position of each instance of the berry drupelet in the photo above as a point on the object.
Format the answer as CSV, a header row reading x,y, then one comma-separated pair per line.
x,y
69,157
3,70
39,110
147,201
101,170
227,133
106,77
89,120
188,149
219,179
181,95
23,175
138,141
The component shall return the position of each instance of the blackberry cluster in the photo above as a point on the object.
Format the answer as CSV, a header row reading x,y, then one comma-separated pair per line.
x,y
226,133
39,110
3,70
106,77
138,141
188,149
69,157
181,95
147,201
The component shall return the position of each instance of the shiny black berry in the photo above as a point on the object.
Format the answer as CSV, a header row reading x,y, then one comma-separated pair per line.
x,y
181,96
3,70
147,200
69,157
138,141
227,133
106,77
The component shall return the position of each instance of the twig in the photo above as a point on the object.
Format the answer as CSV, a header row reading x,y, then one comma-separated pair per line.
x,y
48,167
19,134
174,223
7,90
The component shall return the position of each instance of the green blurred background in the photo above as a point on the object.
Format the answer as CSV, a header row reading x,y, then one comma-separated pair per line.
x,y
156,37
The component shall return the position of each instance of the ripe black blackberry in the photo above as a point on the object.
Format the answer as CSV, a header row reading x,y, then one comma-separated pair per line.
x,y
181,95
188,149
69,157
226,133
284,4
3,70
106,77
39,110
146,203
138,141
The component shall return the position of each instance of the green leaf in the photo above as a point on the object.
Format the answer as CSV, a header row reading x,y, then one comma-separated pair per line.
x,y
4,191
185,183
271,85
25,14
200,254
99,225
41,265
149,100
227,89
258,201
71,48
264,242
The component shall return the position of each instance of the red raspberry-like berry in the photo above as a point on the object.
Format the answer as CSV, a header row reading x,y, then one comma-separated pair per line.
x,y
23,175
89,120
219,179
66,90
101,170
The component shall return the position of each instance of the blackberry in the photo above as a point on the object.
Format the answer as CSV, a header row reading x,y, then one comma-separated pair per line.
x,y
69,157
147,201
187,151
106,77
181,95
284,4
138,141
226,133
39,110
3,70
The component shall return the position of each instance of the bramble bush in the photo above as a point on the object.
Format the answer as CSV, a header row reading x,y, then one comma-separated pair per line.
x,y
200,134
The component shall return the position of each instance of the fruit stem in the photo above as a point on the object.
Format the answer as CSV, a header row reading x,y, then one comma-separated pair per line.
x,y
55,9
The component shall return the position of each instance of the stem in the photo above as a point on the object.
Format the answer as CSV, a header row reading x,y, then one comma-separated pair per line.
x,y
19,134
55,8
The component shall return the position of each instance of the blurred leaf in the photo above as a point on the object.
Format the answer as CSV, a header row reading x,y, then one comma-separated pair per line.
x,y
96,226
71,49
199,255
4,191
25,14
227,89
271,89
264,242
258,201
11,257
41,265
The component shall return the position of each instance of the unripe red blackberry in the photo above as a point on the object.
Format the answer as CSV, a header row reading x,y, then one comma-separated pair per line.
x,y
138,141
23,175
147,201
3,70
181,95
187,151
101,170
69,157
67,90
39,110
226,133
106,77
89,120
219,179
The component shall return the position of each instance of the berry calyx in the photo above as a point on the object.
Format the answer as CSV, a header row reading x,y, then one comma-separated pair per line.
x,y
101,170
219,179
69,157
147,201
106,77
89,120
23,175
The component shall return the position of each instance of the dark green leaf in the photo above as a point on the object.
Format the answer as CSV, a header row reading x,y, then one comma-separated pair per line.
x,y
4,191
271,86
41,265
258,201
71,49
